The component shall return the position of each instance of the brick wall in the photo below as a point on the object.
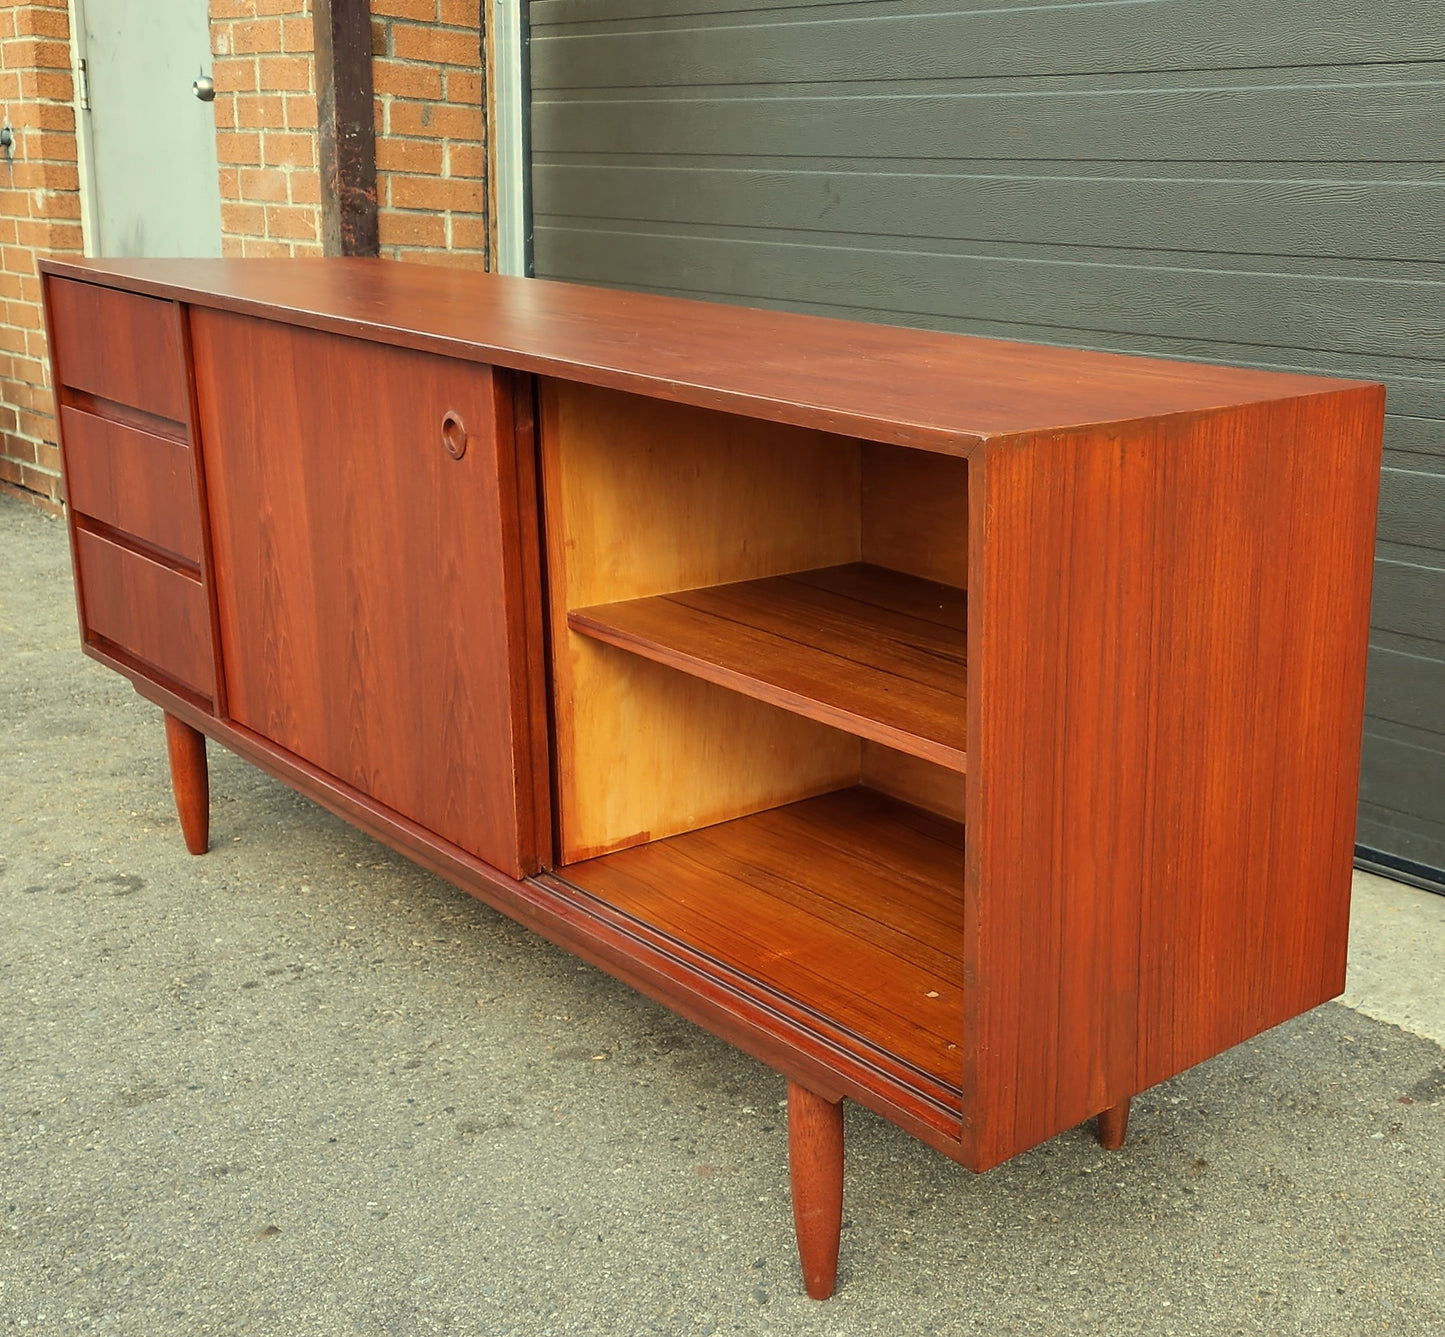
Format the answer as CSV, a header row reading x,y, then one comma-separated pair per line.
x,y
430,150
266,144
430,145
39,215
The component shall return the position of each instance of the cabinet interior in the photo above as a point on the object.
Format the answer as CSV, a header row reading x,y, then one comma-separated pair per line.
x,y
758,664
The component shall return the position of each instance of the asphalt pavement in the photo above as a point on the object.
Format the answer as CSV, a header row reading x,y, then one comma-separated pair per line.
x,y
300,1087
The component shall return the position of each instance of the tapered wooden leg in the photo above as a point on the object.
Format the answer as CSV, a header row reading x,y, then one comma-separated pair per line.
x,y
1114,1126
815,1160
191,782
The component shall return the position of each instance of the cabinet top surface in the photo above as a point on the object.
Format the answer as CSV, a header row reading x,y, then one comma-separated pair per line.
x,y
947,392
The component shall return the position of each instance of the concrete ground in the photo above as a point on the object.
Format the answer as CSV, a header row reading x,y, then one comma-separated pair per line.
x,y
299,1086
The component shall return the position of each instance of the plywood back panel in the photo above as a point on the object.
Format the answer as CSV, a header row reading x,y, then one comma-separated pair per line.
x,y
914,509
915,781
645,497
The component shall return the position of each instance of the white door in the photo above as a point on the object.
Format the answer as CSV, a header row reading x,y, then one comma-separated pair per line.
x,y
151,141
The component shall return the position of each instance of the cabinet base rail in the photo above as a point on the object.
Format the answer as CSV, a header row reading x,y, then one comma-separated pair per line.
x,y
815,1121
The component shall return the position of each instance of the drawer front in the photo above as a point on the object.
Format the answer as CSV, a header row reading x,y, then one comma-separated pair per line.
x,y
132,480
157,615
119,346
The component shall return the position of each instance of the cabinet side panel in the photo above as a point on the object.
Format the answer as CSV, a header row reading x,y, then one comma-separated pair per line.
x,y
361,579
1261,625
1058,674
1169,667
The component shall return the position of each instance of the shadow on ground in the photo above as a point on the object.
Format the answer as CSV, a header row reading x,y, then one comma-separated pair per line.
x,y
299,1086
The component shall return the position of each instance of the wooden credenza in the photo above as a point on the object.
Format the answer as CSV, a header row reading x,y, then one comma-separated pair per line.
x,y
964,728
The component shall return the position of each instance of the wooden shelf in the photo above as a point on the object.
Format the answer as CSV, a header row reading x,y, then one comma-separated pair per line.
x,y
859,647
850,905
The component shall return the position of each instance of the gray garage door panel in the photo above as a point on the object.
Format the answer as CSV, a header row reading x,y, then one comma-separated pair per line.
x,y
1213,179
725,42
1277,214
1331,120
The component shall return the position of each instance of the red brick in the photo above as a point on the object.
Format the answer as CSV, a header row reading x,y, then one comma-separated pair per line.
x,y
305,187
47,456
235,148
37,480
21,450
261,110
51,116
300,111
243,219
62,205
49,144
466,160
230,181
289,74
259,37
236,74
281,148
461,13
37,426
400,79
424,119
296,36
464,87
419,156
42,22
441,46
469,233
292,221
408,229
421,192
52,85
421,11
263,184
48,55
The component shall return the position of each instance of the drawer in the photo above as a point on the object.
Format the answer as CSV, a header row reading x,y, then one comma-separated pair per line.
x,y
132,480
153,613
119,346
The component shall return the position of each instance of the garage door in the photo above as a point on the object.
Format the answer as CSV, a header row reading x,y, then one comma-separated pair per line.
x,y
1211,179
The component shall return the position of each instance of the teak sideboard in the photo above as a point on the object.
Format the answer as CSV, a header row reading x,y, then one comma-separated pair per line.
x,y
968,729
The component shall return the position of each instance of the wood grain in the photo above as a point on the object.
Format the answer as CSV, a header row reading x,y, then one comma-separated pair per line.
x,y
190,781
921,783
135,481
796,1043
1167,626
815,1167
151,611
857,647
790,897
119,346
368,607
915,513
943,392
643,498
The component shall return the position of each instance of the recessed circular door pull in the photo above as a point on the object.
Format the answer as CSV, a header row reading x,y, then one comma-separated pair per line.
x,y
454,434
